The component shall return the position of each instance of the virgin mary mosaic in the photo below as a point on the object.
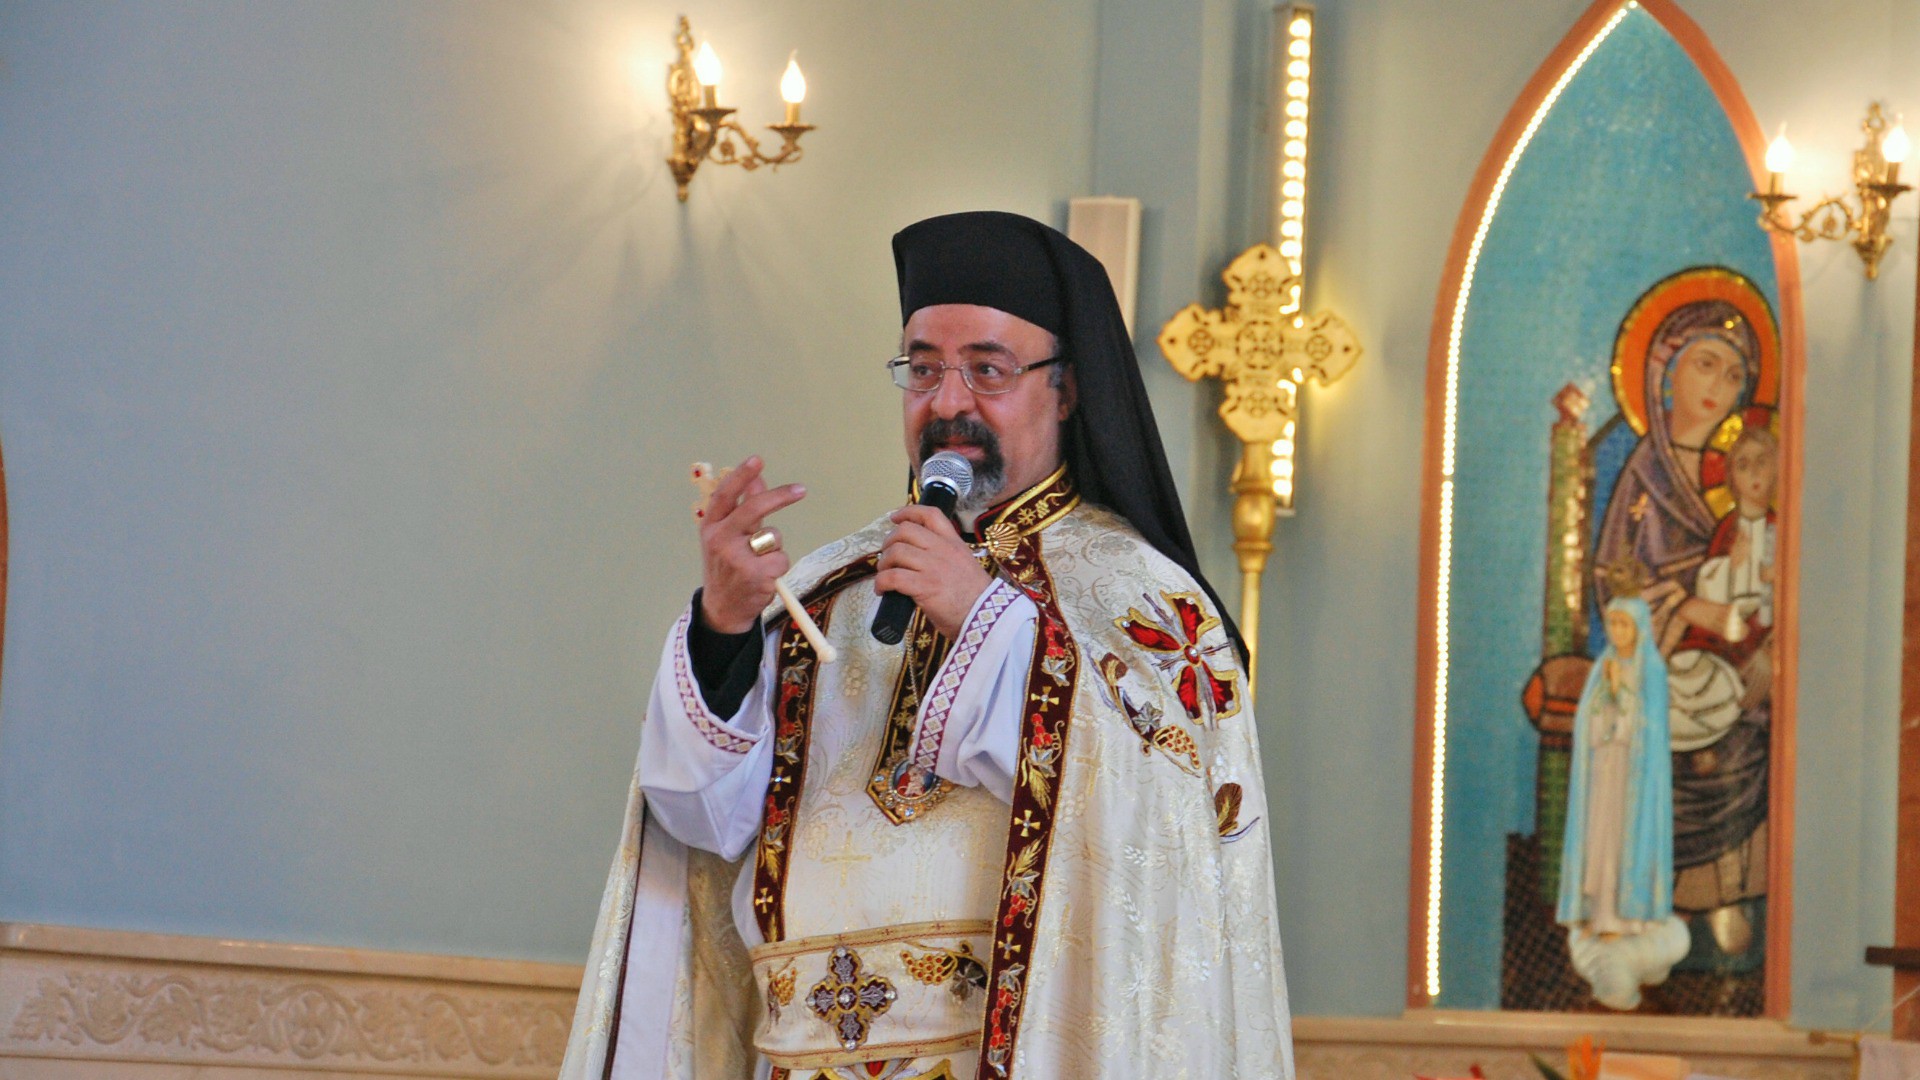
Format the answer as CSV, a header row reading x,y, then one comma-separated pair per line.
x,y
1644,885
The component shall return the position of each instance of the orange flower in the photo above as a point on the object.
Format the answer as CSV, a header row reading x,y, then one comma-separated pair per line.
x,y
1583,1059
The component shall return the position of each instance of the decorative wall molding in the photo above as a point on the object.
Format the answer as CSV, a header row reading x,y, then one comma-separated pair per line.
x,y
78,1004
144,1005
1435,1042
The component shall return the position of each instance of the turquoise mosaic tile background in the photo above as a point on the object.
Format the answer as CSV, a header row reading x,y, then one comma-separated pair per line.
x,y
1634,174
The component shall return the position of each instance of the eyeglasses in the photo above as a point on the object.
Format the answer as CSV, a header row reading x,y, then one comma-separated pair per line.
x,y
981,376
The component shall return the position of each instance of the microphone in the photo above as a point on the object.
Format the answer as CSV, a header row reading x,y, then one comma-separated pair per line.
x,y
945,479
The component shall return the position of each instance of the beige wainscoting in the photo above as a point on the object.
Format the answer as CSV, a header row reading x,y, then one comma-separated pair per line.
x,y
1447,1043
80,1004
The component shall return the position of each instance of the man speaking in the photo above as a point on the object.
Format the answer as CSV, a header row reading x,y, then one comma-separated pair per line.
x,y
1028,840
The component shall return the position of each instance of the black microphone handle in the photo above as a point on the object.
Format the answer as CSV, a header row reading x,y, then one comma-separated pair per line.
x,y
890,622
896,609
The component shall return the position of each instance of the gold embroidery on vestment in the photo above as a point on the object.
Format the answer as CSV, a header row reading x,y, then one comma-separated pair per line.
x,y
901,791
849,1001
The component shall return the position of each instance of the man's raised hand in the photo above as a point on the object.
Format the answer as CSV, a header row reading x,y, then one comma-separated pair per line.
x,y
737,583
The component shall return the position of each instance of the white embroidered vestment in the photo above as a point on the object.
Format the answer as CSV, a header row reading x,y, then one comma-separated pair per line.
x,y
1040,851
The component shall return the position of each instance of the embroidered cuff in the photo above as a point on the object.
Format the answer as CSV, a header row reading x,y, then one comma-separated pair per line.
x,y
986,613
718,733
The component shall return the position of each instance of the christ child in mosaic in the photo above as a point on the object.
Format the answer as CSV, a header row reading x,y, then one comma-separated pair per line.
x,y
1732,606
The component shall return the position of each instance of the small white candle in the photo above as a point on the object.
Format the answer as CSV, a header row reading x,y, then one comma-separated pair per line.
x,y
706,68
793,89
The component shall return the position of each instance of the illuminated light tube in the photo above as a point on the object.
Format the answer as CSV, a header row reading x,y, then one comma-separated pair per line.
x,y
1443,578
1289,223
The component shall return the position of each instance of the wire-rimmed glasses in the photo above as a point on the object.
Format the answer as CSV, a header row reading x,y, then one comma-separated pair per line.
x,y
983,376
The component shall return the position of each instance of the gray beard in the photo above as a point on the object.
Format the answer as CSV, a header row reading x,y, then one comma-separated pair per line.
x,y
988,480
989,475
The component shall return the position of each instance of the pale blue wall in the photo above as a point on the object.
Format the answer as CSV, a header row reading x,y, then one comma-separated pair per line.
x,y
351,356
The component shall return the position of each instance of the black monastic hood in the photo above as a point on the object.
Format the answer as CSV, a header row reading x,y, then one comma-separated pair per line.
x,y
1111,443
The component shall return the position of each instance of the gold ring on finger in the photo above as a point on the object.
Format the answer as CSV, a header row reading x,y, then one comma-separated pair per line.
x,y
764,542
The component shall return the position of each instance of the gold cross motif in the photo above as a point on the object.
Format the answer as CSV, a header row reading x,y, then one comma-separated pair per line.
x,y
846,858
781,777
1257,341
763,901
848,999
1008,947
1262,348
1044,697
1026,823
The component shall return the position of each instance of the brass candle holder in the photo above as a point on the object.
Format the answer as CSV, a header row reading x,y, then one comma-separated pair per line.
x,y
1876,176
704,130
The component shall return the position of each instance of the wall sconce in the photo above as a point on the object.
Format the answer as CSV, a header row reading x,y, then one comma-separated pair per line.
x,y
703,130
1876,173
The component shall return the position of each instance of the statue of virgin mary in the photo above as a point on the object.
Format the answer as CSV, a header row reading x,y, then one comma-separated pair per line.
x,y
1616,868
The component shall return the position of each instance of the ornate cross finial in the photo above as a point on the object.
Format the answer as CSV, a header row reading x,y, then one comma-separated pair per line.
x,y
1571,403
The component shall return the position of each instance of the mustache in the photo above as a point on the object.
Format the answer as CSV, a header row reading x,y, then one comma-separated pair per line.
x,y
961,429
989,476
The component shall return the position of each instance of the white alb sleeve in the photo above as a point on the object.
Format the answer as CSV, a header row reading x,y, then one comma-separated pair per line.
x,y
968,729
705,777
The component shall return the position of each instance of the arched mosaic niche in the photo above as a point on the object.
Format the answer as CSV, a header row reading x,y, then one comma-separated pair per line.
x,y
1616,352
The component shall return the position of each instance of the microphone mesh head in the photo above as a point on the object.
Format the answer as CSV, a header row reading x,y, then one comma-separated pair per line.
x,y
950,469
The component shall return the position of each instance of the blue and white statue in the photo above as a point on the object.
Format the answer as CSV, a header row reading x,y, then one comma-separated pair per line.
x,y
1616,867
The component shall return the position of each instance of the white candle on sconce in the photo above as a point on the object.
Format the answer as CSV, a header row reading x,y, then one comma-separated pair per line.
x,y
1779,160
1895,149
706,68
793,88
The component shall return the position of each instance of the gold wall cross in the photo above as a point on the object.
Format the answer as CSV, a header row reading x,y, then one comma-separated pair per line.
x,y
1262,349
